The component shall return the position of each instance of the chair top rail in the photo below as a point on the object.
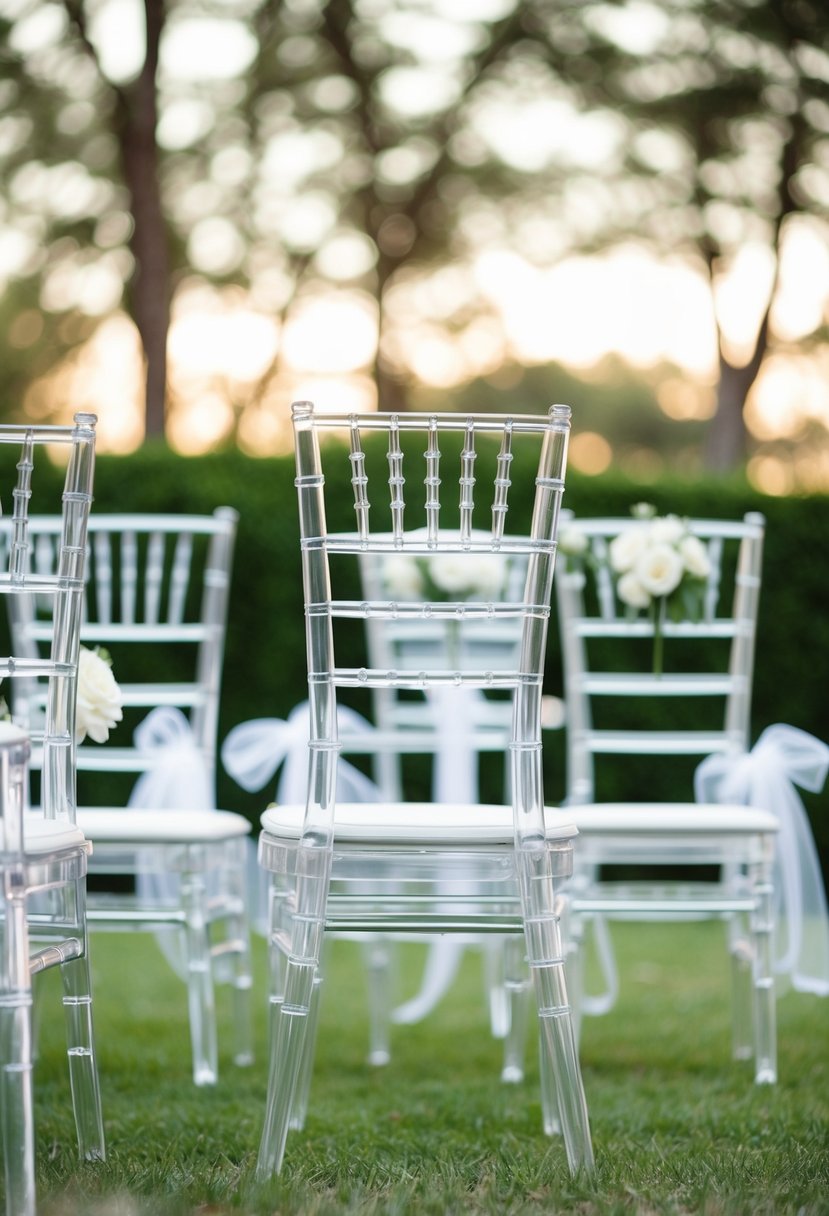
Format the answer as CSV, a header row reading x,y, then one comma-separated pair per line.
x,y
141,522
557,419
127,633
15,433
750,525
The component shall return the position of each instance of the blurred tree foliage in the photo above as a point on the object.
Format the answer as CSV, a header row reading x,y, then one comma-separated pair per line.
x,y
371,146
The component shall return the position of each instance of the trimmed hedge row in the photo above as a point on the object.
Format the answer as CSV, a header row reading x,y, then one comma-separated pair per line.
x,y
264,673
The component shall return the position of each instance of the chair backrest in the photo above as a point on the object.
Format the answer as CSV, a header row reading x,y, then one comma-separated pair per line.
x,y
27,454
405,503
155,597
407,722
616,704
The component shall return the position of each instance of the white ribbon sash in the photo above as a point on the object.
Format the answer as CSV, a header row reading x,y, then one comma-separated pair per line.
x,y
782,758
177,778
254,750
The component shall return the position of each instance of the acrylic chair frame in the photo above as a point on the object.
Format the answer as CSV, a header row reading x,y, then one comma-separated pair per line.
x,y
43,856
302,847
164,580
739,841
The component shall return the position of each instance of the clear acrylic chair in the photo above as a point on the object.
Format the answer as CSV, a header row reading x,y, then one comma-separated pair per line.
x,y
453,732
43,853
165,858
404,867
710,860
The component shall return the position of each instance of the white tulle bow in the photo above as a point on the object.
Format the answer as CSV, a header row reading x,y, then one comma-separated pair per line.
x,y
177,778
782,758
254,750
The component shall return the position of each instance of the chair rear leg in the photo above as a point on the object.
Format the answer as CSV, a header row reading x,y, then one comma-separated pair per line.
x,y
377,953
765,1010
239,933
200,991
517,986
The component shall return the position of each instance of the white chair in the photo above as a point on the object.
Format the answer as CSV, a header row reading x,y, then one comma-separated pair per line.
x,y
43,854
702,702
402,867
165,858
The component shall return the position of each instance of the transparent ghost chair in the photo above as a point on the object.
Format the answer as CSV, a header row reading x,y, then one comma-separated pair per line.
x,y
454,729
165,859
403,867
43,852
688,859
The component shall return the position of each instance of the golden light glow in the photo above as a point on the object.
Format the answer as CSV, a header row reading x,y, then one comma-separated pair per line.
x,y
590,453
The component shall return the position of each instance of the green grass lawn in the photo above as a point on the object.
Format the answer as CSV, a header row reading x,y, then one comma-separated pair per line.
x,y
677,1126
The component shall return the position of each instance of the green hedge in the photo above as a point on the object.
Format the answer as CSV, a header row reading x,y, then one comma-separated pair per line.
x,y
265,658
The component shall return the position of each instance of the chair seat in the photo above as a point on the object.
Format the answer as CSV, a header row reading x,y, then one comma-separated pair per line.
x,y
418,823
117,825
666,818
44,835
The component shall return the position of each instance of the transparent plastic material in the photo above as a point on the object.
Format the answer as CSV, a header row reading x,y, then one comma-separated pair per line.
x,y
703,694
43,856
155,598
422,485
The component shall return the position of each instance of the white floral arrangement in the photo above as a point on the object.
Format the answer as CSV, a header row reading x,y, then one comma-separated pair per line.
x,y
445,576
99,696
659,567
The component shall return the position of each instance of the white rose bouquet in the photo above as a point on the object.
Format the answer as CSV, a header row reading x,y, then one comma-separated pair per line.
x,y
446,576
99,697
660,567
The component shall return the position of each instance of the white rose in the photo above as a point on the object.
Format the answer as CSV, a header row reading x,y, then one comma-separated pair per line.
x,y
450,572
626,548
667,531
99,698
572,541
402,576
659,569
695,556
631,591
485,574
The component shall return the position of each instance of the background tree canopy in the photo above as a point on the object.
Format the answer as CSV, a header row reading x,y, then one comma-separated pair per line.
x,y
422,160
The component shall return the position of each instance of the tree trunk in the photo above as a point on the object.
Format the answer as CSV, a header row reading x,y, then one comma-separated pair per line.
x,y
150,287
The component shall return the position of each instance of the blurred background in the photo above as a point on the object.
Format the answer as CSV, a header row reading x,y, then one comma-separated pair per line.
x,y
211,207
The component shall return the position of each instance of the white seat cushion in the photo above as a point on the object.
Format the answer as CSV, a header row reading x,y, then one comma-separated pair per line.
x,y
46,835
422,823
670,817
125,826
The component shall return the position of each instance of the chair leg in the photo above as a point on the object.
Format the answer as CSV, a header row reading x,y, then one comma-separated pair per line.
x,y
377,953
517,985
558,1054
299,1110
16,1088
765,1011
200,992
83,1065
239,932
290,1022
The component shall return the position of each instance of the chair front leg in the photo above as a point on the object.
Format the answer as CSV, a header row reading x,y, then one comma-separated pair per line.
x,y
762,931
80,1049
238,930
291,1016
558,1055
16,1091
